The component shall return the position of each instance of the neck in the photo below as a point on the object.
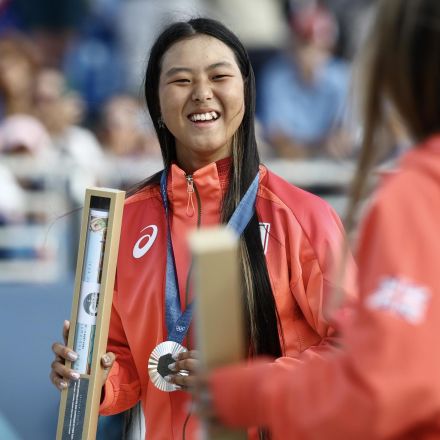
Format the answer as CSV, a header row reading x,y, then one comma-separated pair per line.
x,y
189,164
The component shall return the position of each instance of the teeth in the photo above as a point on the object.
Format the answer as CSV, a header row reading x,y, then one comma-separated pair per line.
x,y
204,116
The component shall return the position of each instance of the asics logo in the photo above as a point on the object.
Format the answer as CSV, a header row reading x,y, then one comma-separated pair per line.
x,y
144,244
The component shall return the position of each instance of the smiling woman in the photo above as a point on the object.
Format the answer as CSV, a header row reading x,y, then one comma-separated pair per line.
x,y
201,99
200,92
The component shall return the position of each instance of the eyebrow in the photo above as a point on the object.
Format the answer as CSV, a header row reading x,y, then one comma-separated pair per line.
x,y
175,70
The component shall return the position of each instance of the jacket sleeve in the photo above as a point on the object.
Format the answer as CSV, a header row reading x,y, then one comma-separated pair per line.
x,y
321,278
384,381
318,329
122,388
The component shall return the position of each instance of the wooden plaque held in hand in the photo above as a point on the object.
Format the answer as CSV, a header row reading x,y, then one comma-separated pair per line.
x,y
218,307
91,309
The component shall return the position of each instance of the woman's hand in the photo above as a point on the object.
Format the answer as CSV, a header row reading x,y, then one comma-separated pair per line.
x,y
189,376
60,375
185,368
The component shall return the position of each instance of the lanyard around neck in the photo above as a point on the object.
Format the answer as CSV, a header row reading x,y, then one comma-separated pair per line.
x,y
176,321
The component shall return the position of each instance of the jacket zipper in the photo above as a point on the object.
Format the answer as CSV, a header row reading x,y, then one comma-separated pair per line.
x,y
191,189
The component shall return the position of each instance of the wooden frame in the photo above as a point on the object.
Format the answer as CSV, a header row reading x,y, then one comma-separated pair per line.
x,y
79,405
218,307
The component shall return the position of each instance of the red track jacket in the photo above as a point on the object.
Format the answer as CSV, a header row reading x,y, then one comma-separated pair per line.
x,y
301,236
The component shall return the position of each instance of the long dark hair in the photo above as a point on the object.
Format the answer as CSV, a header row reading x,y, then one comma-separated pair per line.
x,y
263,328
400,69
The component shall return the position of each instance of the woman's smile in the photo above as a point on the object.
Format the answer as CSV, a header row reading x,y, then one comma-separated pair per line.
x,y
204,117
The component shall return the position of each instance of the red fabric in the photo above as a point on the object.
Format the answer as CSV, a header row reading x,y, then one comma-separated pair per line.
x,y
304,238
385,384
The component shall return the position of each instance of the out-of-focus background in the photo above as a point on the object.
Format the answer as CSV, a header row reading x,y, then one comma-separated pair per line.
x,y
72,115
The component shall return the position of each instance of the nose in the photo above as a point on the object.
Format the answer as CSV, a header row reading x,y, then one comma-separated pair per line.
x,y
202,92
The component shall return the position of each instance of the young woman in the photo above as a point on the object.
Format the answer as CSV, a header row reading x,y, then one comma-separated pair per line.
x,y
386,382
200,92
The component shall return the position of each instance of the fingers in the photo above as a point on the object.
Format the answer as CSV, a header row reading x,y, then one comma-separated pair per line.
x,y
188,361
64,352
184,381
58,381
191,354
189,365
186,367
61,373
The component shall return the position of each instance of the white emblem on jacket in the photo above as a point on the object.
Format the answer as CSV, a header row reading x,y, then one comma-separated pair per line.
x,y
402,298
264,232
144,244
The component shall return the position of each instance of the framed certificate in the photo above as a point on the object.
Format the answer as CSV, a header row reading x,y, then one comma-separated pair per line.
x,y
91,308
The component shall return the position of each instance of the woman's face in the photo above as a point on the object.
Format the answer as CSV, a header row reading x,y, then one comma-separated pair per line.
x,y
201,96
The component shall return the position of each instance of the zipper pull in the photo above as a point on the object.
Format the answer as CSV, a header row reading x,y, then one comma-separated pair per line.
x,y
190,189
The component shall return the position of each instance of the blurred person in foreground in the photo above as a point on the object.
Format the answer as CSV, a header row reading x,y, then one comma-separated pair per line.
x,y
200,91
303,90
385,383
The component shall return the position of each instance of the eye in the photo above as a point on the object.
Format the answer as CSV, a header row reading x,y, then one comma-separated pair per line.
x,y
220,76
180,81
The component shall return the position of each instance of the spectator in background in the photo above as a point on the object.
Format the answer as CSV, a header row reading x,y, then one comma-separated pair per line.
x,y
304,89
93,63
354,19
61,111
19,63
77,37
12,200
129,141
123,131
20,136
24,134
52,24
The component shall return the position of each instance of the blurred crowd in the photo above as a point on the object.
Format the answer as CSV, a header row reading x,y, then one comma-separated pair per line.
x,y
71,82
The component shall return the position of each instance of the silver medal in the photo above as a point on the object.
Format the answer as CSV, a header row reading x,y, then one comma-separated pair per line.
x,y
158,363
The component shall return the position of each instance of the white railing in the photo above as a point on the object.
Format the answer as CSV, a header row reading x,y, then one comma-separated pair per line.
x,y
42,248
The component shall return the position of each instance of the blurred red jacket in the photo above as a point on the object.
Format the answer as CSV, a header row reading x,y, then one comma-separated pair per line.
x,y
386,383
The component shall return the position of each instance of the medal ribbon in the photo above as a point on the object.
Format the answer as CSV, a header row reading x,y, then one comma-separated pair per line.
x,y
177,322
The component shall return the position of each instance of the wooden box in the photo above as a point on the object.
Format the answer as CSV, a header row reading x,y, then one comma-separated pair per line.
x,y
91,308
218,307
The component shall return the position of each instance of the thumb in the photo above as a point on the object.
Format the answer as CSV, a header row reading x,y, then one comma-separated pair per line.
x,y
107,361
